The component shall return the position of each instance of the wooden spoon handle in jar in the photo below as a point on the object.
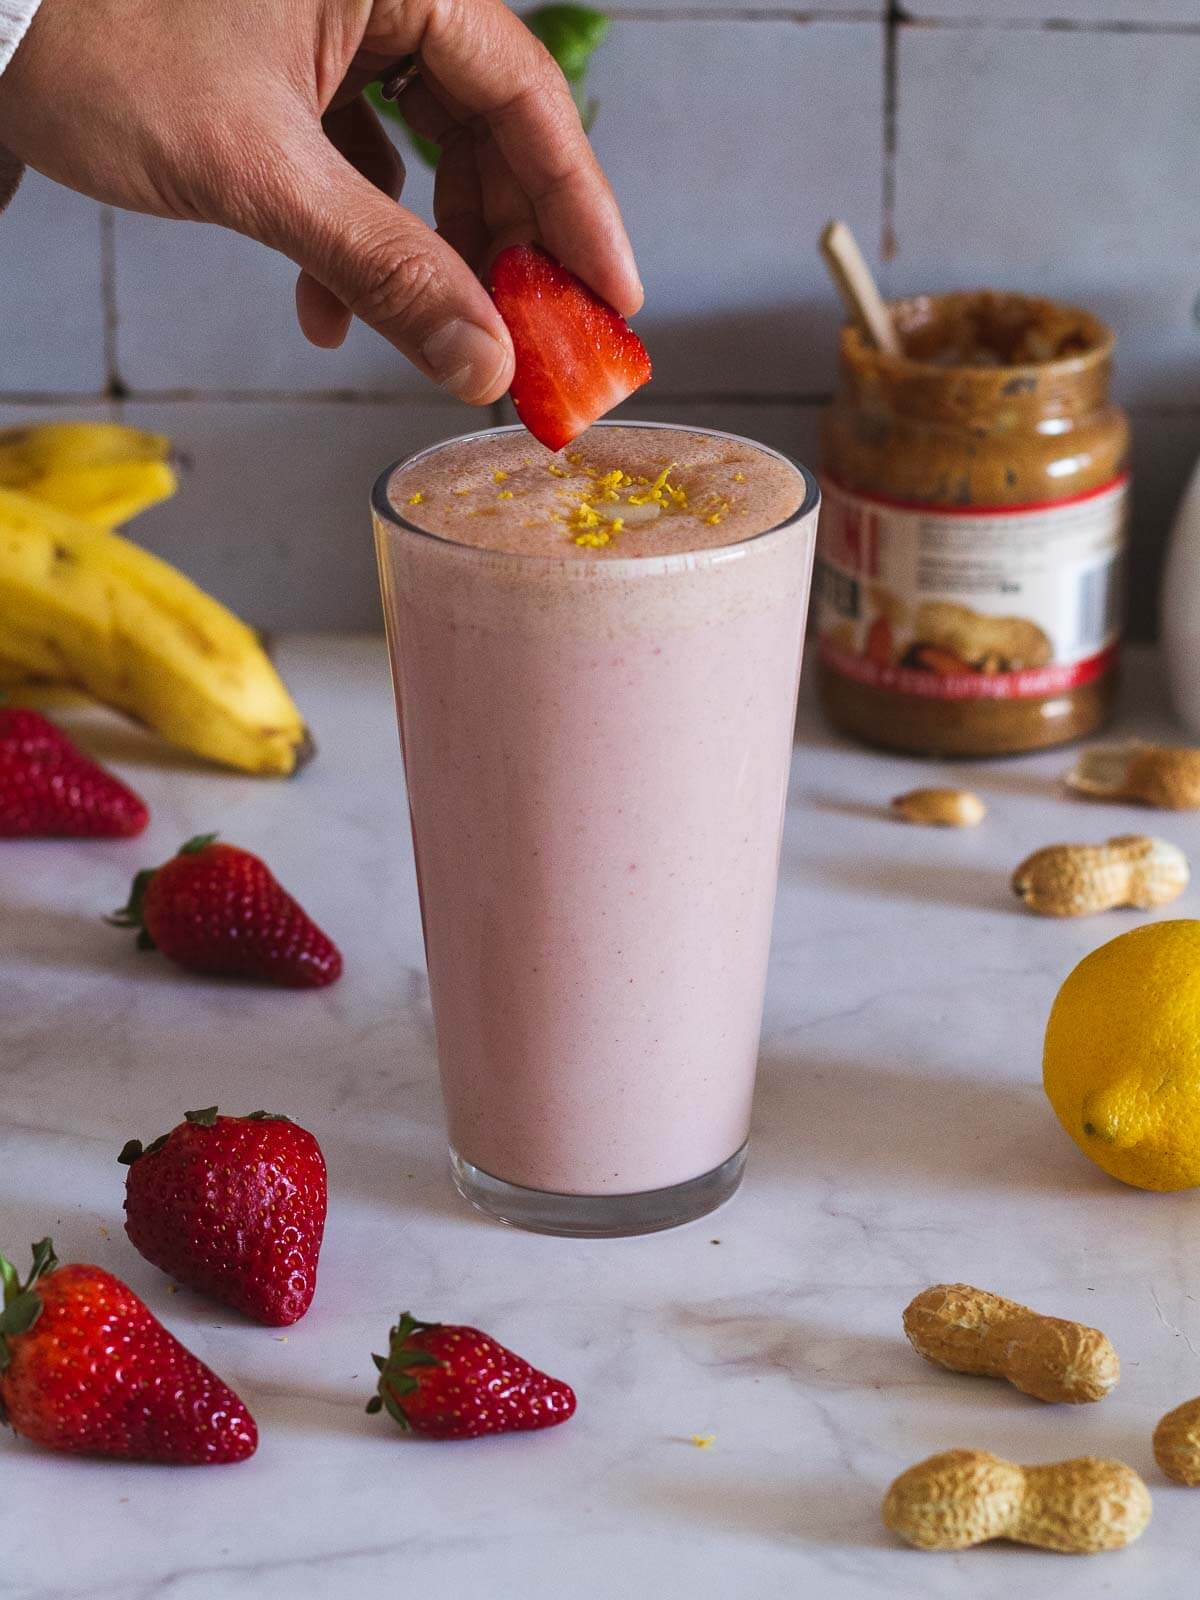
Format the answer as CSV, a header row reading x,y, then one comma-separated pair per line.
x,y
858,289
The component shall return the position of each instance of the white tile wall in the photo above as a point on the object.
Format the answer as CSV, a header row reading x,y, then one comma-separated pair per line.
x,y
203,309
51,305
1048,143
729,143
272,514
787,427
1067,163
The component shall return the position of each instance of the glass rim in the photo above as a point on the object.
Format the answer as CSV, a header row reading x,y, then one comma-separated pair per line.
x,y
386,512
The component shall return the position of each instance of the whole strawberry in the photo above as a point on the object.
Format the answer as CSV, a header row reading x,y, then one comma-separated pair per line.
x,y
85,1368
50,789
217,909
233,1207
456,1383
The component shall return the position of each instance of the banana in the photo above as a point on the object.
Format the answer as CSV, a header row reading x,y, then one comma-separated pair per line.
x,y
101,472
84,607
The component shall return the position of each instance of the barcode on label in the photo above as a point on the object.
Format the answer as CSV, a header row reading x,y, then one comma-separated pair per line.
x,y
1099,606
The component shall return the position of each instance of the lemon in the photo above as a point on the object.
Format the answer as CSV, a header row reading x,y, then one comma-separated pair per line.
x,y
1122,1057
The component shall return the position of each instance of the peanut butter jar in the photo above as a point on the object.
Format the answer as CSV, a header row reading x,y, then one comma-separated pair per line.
x,y
972,541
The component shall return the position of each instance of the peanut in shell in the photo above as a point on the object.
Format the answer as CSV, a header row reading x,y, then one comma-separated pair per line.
x,y
973,1331
962,1498
1075,880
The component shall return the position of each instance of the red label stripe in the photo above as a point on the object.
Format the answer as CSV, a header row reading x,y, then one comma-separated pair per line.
x,y
1032,684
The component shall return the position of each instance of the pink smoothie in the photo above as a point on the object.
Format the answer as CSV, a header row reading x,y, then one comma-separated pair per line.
x,y
596,703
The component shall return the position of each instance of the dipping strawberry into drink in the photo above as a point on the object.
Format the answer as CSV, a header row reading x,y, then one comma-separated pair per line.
x,y
595,654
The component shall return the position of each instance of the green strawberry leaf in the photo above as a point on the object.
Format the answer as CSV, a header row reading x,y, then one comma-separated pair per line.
x,y
44,1260
201,841
21,1312
130,915
204,1119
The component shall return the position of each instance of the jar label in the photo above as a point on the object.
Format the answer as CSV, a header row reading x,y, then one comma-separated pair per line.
x,y
1012,603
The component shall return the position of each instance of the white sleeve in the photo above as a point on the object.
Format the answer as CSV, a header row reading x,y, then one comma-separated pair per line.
x,y
15,17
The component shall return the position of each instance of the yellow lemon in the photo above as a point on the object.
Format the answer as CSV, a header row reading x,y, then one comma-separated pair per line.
x,y
1122,1057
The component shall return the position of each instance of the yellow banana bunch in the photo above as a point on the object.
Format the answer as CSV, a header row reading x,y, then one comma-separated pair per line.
x,y
100,471
84,607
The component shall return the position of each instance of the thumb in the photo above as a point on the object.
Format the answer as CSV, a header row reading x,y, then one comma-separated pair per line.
x,y
394,272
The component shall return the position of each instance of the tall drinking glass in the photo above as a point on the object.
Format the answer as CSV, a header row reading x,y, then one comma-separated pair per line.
x,y
597,756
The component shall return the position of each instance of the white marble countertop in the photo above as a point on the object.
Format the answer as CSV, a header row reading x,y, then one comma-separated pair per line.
x,y
901,1138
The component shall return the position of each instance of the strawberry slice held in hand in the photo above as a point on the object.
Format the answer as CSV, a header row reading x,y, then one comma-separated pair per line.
x,y
49,789
85,1368
450,1382
576,357
234,1207
217,909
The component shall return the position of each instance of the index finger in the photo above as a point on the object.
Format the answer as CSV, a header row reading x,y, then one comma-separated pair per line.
x,y
487,60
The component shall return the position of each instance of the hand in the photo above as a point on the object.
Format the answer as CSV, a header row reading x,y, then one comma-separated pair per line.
x,y
249,113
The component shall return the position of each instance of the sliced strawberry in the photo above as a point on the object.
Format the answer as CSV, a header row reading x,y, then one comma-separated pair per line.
x,y
576,356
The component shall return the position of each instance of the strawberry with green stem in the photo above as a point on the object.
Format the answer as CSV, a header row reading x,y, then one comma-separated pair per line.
x,y
85,1368
218,909
233,1207
452,1382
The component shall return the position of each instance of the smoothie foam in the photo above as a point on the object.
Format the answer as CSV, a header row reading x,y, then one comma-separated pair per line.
x,y
617,492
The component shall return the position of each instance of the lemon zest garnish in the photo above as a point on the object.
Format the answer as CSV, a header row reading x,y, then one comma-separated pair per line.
x,y
499,475
415,499
713,518
704,1441
658,491
557,472
462,491
592,541
739,477
505,494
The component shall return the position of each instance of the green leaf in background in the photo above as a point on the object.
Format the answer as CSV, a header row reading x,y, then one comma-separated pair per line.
x,y
570,33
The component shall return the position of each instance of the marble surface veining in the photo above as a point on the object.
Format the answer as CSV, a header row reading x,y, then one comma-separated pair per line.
x,y
901,1138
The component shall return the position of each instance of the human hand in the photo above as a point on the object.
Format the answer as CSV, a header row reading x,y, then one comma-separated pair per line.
x,y
249,113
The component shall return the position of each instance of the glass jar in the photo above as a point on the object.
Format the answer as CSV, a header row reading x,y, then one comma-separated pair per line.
x,y
972,541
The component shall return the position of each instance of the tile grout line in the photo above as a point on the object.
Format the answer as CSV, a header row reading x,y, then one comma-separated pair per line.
x,y
736,13
908,18
114,389
888,244
900,16
302,397
59,398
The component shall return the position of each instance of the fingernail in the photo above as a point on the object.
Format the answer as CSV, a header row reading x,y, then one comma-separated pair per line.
x,y
466,360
